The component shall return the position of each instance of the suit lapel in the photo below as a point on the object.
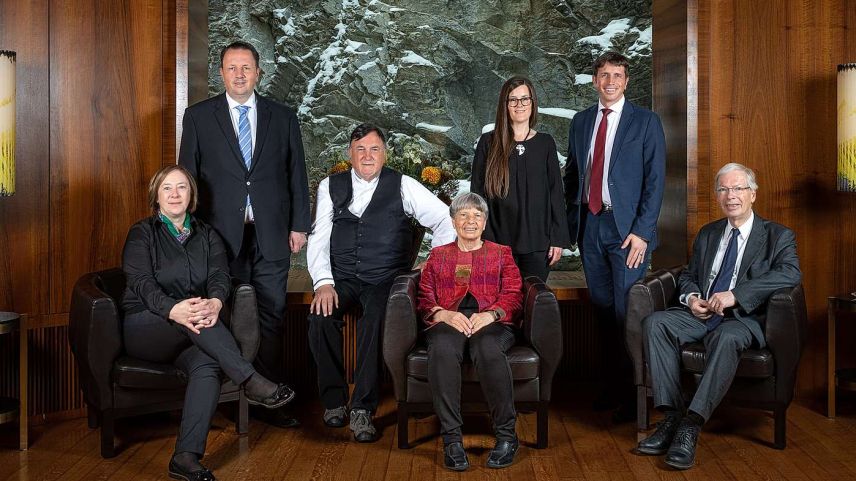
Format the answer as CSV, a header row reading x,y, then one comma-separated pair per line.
x,y
756,242
224,119
709,254
623,126
262,124
589,131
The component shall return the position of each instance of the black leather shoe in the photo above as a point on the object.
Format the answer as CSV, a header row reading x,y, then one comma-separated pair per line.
x,y
282,396
455,458
502,455
681,454
176,472
658,442
274,417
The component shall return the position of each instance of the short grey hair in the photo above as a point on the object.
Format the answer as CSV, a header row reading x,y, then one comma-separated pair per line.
x,y
468,200
732,166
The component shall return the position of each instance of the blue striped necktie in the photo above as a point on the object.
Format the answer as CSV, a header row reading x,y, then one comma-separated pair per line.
x,y
722,282
245,135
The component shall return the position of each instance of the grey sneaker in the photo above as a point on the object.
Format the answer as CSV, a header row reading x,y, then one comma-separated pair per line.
x,y
361,425
335,418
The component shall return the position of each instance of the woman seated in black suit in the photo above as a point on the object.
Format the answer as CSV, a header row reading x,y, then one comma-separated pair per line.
x,y
177,282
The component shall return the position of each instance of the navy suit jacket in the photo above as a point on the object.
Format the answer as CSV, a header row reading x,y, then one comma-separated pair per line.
x,y
637,171
276,181
769,263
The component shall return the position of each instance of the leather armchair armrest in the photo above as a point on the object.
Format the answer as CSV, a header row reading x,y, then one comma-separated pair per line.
x,y
785,332
95,337
400,329
656,292
244,320
542,328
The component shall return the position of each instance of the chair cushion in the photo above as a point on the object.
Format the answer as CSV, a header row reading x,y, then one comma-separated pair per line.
x,y
524,363
135,373
757,363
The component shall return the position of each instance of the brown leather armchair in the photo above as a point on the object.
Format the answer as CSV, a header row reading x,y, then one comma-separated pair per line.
x,y
765,377
117,386
533,360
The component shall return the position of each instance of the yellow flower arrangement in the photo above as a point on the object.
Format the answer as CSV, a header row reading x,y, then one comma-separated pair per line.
x,y
339,167
432,175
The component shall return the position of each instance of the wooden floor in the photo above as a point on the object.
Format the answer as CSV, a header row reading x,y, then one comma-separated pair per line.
x,y
583,445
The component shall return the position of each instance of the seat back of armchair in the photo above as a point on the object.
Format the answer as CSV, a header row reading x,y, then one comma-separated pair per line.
x,y
94,332
655,292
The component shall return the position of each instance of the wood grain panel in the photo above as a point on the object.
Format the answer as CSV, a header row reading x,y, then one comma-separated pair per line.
x,y
106,130
771,94
23,225
672,87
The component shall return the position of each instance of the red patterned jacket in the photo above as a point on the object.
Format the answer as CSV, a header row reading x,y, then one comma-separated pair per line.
x,y
489,274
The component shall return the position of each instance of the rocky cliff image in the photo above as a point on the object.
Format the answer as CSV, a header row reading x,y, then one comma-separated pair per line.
x,y
429,70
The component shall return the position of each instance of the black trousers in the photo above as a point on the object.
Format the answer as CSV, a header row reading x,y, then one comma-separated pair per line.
x,y
203,357
533,264
487,349
325,342
269,279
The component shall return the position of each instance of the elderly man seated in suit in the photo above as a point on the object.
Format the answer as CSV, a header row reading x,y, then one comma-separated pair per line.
x,y
737,263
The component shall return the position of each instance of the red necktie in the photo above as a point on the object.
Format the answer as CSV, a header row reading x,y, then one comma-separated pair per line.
x,y
596,175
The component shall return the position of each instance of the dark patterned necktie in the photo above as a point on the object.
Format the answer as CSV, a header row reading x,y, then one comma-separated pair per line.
x,y
722,282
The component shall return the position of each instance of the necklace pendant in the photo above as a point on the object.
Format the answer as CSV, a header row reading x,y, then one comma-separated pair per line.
x,y
520,149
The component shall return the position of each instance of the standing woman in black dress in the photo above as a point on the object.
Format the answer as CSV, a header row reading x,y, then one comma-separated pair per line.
x,y
516,169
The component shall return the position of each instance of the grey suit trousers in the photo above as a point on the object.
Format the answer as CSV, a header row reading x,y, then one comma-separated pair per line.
x,y
664,333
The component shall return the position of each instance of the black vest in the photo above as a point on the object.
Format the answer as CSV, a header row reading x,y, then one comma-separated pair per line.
x,y
377,245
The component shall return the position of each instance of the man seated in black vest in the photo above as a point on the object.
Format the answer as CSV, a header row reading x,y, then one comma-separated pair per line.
x,y
360,242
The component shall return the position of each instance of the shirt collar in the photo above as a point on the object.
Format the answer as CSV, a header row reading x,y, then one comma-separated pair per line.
x,y
616,108
746,228
357,180
251,102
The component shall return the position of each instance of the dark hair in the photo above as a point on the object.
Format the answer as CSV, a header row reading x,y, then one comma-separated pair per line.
x,y
157,179
612,58
365,129
496,177
239,45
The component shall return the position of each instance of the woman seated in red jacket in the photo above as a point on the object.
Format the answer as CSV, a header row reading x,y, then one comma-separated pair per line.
x,y
470,295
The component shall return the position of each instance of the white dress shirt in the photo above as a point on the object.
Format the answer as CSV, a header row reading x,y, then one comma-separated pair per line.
x,y
611,129
742,238
418,202
252,116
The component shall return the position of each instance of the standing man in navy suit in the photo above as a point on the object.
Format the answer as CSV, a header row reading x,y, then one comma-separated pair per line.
x,y
246,154
614,182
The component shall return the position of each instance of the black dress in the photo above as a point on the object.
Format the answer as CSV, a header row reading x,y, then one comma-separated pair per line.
x,y
531,218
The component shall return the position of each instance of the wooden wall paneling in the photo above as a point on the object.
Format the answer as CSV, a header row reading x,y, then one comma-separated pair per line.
x,y
671,100
106,130
169,85
23,217
771,94
814,35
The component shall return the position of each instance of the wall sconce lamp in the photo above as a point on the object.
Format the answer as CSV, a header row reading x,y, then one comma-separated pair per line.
x,y
846,177
7,123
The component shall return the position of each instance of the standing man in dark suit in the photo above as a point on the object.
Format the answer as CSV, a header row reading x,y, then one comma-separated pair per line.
x,y
614,182
246,153
736,265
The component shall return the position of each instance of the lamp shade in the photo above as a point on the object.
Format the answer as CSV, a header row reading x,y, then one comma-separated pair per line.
x,y
847,127
7,123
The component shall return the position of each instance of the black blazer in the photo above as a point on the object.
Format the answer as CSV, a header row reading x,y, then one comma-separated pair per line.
x,y
769,263
161,272
276,181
